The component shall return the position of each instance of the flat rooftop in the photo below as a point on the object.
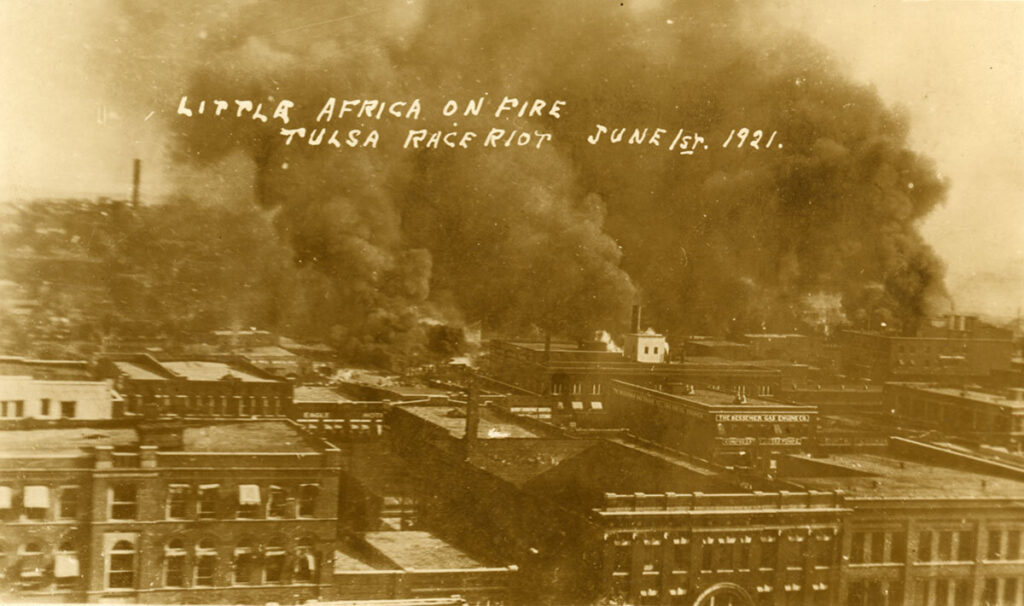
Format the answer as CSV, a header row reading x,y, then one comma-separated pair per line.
x,y
453,418
706,398
317,393
980,397
885,476
138,372
201,370
249,436
519,461
418,550
70,441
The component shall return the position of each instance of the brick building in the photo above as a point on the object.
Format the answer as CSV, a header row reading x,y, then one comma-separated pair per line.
x,y
233,512
575,377
960,349
714,425
986,417
207,387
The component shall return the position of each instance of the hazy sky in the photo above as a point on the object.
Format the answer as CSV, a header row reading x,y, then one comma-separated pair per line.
x,y
957,68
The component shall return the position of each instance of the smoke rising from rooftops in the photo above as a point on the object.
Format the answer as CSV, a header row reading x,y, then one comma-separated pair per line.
x,y
561,238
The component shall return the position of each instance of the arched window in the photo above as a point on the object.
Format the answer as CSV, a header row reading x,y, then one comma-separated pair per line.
x,y
121,566
273,561
305,561
174,563
206,563
244,564
65,565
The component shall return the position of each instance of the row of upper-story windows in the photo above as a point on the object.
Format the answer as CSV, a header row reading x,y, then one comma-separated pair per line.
x,y
36,502
248,563
952,545
558,388
183,501
220,405
722,552
16,409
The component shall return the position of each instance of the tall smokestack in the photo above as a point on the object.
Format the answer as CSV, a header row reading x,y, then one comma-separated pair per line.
x,y
472,418
136,176
634,323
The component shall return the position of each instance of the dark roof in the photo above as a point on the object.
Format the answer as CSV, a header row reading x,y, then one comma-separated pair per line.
x,y
418,550
519,461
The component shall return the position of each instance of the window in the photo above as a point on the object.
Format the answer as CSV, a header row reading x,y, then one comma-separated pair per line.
x,y
44,407
37,502
121,566
273,562
577,405
307,500
206,563
305,561
206,505
174,564
877,553
995,545
19,408
65,565
68,502
596,405
277,502
1012,545
244,564
857,547
647,349
122,502
67,409
595,389
945,546
965,548
898,552
177,496
577,388
769,553
556,389
924,546
248,501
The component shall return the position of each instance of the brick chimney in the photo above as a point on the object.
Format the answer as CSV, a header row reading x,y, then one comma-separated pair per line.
x,y
634,322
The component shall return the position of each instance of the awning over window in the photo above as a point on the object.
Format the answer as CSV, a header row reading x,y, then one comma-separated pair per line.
x,y
248,494
37,497
65,565
5,497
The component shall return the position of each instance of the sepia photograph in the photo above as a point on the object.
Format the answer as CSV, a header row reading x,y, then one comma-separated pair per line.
x,y
512,303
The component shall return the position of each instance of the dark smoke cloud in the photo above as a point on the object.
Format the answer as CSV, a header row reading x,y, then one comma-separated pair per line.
x,y
563,238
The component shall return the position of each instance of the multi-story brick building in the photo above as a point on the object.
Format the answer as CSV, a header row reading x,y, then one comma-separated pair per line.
x,y
213,387
961,349
575,378
983,416
713,425
237,512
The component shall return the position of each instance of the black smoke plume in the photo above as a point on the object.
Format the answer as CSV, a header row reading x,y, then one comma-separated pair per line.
x,y
564,238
